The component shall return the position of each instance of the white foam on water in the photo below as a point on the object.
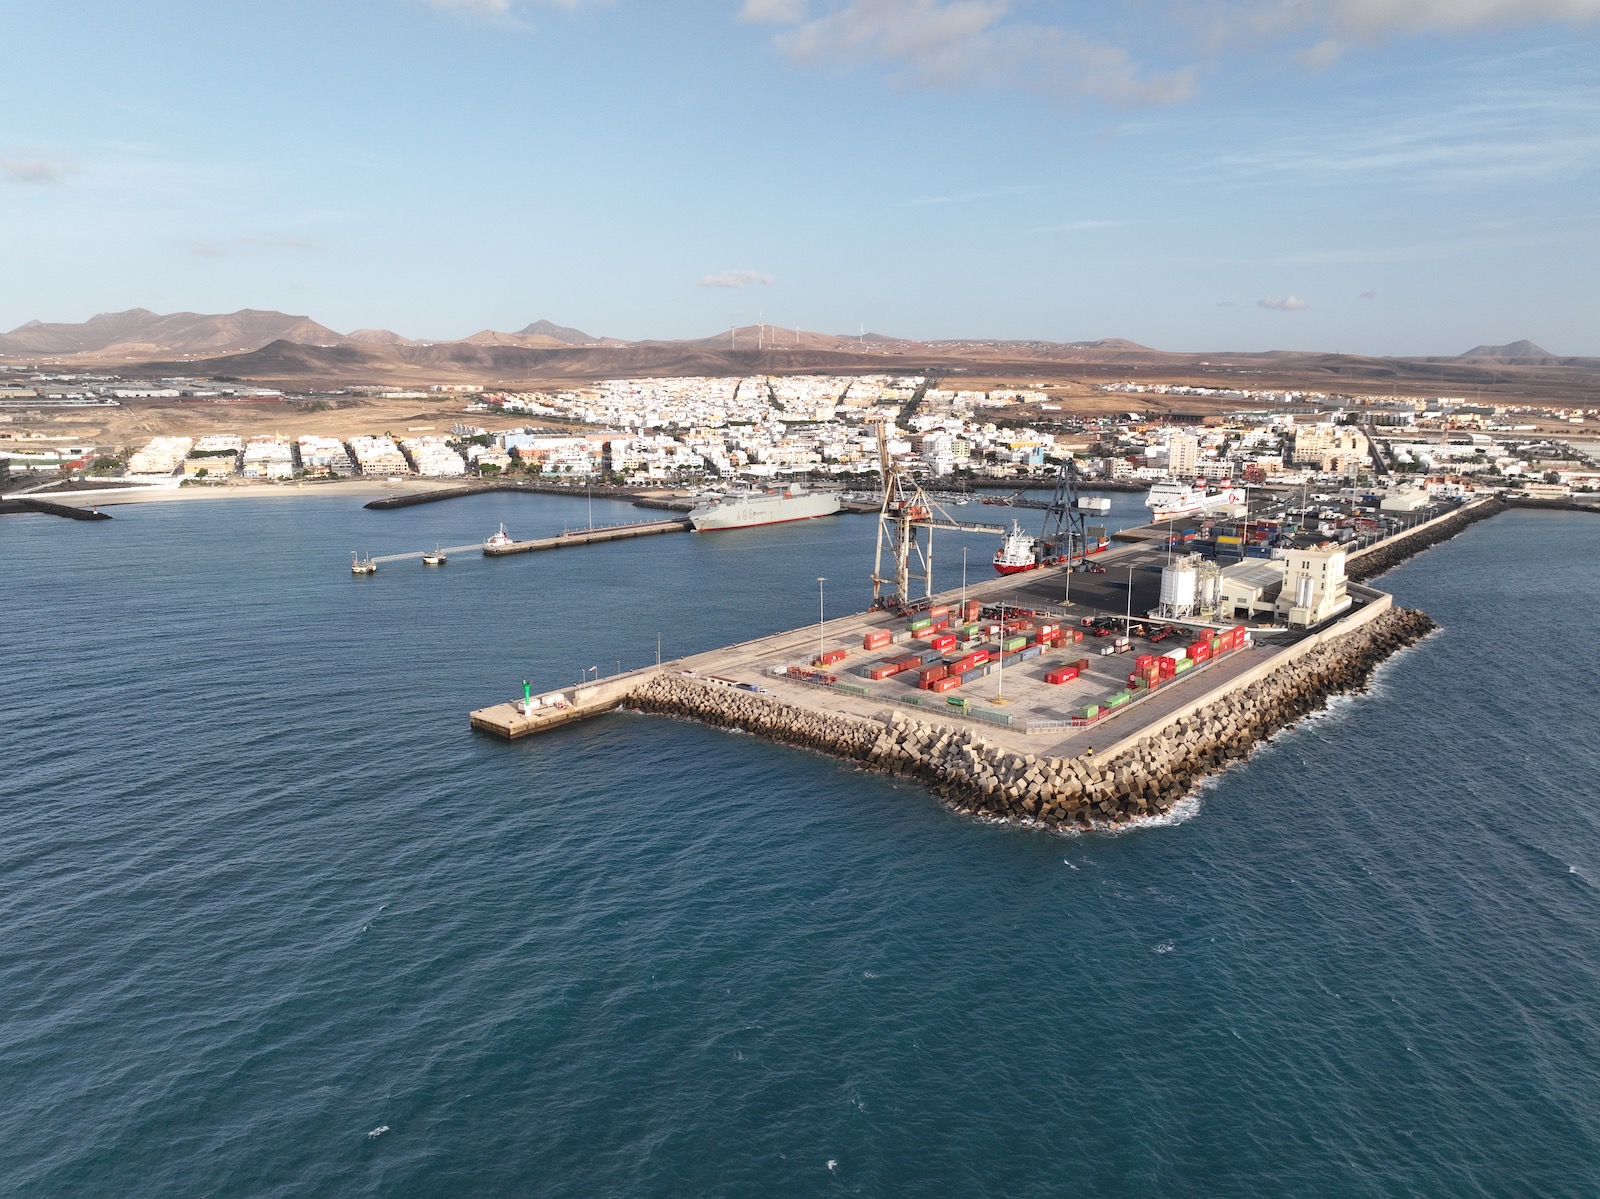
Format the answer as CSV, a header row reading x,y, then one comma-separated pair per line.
x,y
1165,947
833,1165
1584,875
377,1132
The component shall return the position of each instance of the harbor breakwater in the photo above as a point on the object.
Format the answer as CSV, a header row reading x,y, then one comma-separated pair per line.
x,y
979,778
1373,561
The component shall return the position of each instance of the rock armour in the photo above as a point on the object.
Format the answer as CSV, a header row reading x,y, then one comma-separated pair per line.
x,y
980,778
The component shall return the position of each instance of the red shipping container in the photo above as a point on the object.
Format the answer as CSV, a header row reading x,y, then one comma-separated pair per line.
x,y
937,670
949,683
1061,674
1167,667
936,613
1077,634
876,639
942,642
1143,660
878,673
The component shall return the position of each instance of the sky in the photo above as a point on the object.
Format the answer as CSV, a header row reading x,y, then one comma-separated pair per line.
x,y
1408,177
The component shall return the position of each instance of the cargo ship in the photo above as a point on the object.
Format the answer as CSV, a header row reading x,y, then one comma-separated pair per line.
x,y
1016,553
747,509
1172,498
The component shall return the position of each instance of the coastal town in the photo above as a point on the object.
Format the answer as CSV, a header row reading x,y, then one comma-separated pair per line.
x,y
768,429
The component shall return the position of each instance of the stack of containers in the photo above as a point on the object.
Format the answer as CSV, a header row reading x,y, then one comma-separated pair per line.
x,y
976,658
928,675
1200,651
971,611
918,623
942,642
876,639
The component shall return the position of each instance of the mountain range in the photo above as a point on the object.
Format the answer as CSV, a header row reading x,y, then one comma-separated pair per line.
x,y
139,333
298,352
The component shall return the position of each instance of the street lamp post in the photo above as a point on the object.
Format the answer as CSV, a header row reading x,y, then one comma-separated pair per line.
x,y
821,616
1127,623
1000,658
963,579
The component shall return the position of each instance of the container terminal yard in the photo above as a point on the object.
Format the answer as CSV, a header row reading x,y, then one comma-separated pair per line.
x,y
1063,695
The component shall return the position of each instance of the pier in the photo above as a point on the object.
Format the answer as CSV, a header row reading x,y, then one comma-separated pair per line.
x,y
644,528
1007,742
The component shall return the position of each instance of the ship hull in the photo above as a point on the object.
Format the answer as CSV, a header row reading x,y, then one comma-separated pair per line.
x,y
1014,570
754,511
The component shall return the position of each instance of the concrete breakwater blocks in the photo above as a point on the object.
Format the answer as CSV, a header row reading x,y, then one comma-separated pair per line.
x,y
979,778
1385,555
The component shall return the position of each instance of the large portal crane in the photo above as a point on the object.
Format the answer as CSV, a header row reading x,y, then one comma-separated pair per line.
x,y
1065,538
905,513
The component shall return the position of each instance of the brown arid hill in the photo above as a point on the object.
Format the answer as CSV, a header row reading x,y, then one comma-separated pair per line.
x,y
1516,349
378,337
564,334
140,333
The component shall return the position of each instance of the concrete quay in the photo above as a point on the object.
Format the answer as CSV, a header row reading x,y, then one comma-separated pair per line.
x,y
1015,754
647,528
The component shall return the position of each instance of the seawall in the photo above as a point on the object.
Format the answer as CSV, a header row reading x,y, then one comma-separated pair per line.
x,y
1371,562
1129,782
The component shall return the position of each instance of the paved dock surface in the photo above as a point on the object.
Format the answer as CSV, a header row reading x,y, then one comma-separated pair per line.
x,y
647,528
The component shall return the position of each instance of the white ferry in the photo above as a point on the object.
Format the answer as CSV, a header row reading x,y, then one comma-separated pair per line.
x,y
498,540
1172,498
743,510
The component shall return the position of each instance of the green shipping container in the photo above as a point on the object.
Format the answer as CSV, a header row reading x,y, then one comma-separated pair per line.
x,y
1183,665
1090,711
916,626
1012,644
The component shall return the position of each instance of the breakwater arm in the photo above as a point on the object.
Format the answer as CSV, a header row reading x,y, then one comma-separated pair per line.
x,y
1140,779
1385,555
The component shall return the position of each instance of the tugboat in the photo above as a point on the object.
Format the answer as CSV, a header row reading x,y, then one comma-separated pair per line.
x,y
437,558
362,566
1016,552
498,540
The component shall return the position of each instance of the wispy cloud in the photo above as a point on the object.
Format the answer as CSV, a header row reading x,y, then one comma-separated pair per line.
x,y
1085,225
1502,135
223,247
1287,304
1368,295
737,279
1336,26
505,10
35,169
965,43
968,197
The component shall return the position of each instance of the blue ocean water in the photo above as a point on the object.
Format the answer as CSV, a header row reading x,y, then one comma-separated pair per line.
x,y
274,922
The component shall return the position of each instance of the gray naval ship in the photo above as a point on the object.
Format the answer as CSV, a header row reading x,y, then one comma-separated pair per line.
x,y
745,509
